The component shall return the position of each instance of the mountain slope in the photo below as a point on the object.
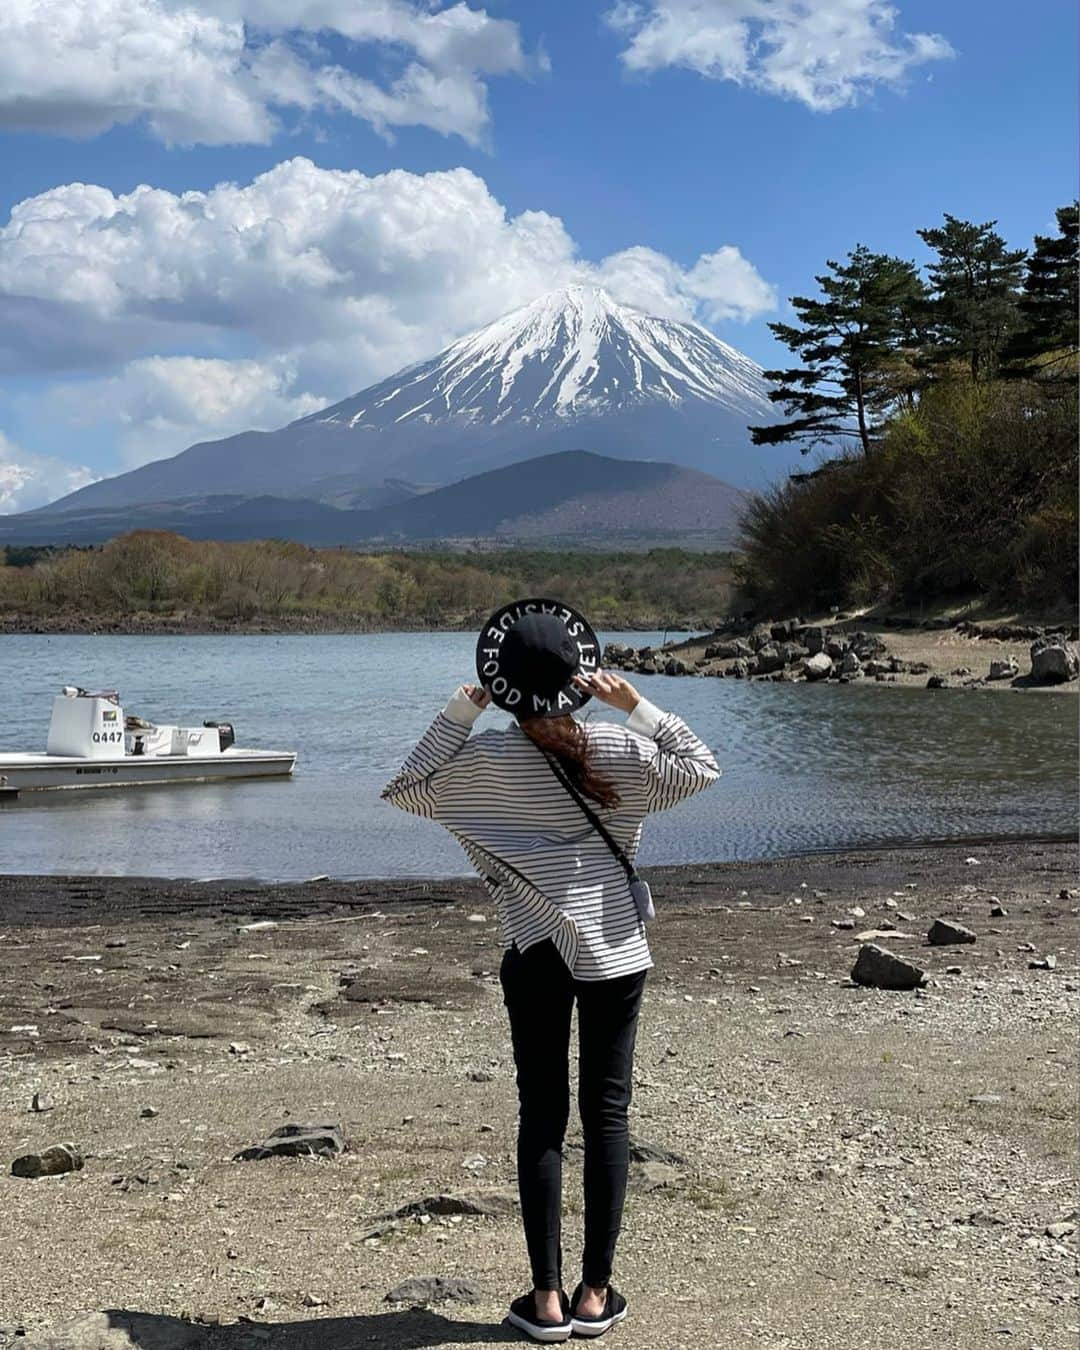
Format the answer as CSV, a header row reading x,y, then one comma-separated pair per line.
x,y
572,497
574,368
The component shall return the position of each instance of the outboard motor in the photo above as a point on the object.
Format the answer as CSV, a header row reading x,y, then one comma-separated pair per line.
x,y
226,735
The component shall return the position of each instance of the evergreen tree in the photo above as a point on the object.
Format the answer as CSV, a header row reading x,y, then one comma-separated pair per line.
x,y
975,288
1046,343
854,343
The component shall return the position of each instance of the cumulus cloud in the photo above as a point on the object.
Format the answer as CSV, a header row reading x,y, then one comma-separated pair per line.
x,y
190,316
217,72
826,55
160,405
28,480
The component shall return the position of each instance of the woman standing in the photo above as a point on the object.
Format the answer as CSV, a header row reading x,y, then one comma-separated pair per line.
x,y
550,811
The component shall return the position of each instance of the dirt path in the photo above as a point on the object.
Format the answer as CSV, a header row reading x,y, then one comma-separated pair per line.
x,y
854,1163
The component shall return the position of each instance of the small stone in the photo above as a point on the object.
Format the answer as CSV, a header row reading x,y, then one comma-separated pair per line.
x,y
972,862
953,970
41,1101
149,1112
117,942
479,1076
1043,963
1059,1231
843,923
938,682
476,1162
857,911
652,1176
642,1152
314,1301
998,911
239,1048
423,1290
944,933
883,969
476,918
985,1099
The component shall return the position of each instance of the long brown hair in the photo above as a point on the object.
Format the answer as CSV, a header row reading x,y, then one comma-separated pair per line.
x,y
568,741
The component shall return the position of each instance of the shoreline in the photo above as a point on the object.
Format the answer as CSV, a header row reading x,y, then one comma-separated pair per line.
x,y
169,1025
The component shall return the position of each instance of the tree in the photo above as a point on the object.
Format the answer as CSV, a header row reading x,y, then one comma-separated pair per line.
x,y
1045,344
854,343
975,288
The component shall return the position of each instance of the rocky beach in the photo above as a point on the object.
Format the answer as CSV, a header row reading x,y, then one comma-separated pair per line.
x,y
814,1156
846,649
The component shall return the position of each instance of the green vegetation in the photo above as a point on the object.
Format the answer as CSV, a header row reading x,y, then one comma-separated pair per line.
x,y
149,578
957,397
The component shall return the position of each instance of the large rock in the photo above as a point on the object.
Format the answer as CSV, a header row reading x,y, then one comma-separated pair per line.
x,y
944,933
1004,670
885,970
1053,661
50,1162
726,651
817,667
296,1141
740,668
675,666
813,638
760,635
850,665
423,1290
784,629
866,645
769,658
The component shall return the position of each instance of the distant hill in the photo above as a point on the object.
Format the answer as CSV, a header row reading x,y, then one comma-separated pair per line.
x,y
572,496
572,369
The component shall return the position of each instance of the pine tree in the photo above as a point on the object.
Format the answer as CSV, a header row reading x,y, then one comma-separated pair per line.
x,y
854,343
1046,343
975,288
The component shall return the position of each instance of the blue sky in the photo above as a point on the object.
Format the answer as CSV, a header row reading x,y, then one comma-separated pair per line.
x,y
404,172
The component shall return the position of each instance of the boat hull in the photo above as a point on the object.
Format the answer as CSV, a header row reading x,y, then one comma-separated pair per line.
x,y
42,773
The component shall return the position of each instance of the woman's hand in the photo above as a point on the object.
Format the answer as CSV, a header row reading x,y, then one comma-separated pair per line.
x,y
481,697
609,688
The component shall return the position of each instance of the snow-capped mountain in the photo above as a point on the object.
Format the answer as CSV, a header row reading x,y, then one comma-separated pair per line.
x,y
573,353
574,370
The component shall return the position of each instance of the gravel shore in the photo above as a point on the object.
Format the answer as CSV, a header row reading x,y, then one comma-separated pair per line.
x,y
822,1163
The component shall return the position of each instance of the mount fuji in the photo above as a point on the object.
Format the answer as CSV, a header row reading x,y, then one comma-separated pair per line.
x,y
573,370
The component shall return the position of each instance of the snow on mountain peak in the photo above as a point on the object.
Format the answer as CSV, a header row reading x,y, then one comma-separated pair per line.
x,y
574,351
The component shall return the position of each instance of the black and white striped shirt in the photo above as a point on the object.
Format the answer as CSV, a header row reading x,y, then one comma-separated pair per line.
x,y
550,873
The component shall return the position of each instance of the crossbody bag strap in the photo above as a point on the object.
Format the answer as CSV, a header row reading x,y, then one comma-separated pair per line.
x,y
593,819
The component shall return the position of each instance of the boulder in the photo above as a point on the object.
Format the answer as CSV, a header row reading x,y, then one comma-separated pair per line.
x,y
812,638
51,1162
885,970
1004,670
850,665
784,629
739,669
760,636
865,645
874,666
1053,661
938,682
725,651
943,933
836,646
675,666
296,1141
768,659
817,667
792,652
642,1153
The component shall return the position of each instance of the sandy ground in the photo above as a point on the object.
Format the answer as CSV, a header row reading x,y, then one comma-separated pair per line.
x,y
856,1164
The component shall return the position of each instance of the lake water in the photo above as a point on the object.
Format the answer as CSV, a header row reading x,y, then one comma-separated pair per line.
x,y
805,766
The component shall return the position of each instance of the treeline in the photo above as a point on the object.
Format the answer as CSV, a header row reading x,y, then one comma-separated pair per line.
x,y
952,392
158,577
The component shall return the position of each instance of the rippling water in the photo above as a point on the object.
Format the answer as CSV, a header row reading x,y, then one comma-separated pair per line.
x,y
805,766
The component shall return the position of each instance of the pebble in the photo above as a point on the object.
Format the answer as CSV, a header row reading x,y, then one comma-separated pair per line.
x,y
985,1099
1060,1230
427,1289
998,911
149,1112
1044,963
41,1101
51,1162
476,918
296,1141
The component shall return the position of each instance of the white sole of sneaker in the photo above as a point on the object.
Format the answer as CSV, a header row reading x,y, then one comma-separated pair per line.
x,y
597,1328
561,1333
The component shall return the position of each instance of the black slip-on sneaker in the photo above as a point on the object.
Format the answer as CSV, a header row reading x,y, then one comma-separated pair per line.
x,y
523,1315
615,1310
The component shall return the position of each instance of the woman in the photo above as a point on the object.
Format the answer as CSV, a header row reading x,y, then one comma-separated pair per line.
x,y
572,922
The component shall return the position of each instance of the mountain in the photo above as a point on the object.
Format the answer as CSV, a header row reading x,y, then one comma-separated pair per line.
x,y
573,369
570,497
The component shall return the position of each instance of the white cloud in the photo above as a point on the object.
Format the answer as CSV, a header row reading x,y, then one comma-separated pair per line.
x,y
28,480
826,53
218,72
160,405
325,279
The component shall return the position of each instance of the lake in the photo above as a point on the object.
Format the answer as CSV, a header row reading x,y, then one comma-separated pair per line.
x,y
806,767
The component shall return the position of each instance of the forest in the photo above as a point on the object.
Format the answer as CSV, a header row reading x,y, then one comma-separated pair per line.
x,y
151,580
952,396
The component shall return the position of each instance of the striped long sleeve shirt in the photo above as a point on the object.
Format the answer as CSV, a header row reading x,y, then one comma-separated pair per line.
x,y
550,873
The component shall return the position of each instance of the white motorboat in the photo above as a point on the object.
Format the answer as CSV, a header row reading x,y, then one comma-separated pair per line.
x,y
92,745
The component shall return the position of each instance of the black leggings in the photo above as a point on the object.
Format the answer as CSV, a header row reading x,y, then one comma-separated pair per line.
x,y
539,993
